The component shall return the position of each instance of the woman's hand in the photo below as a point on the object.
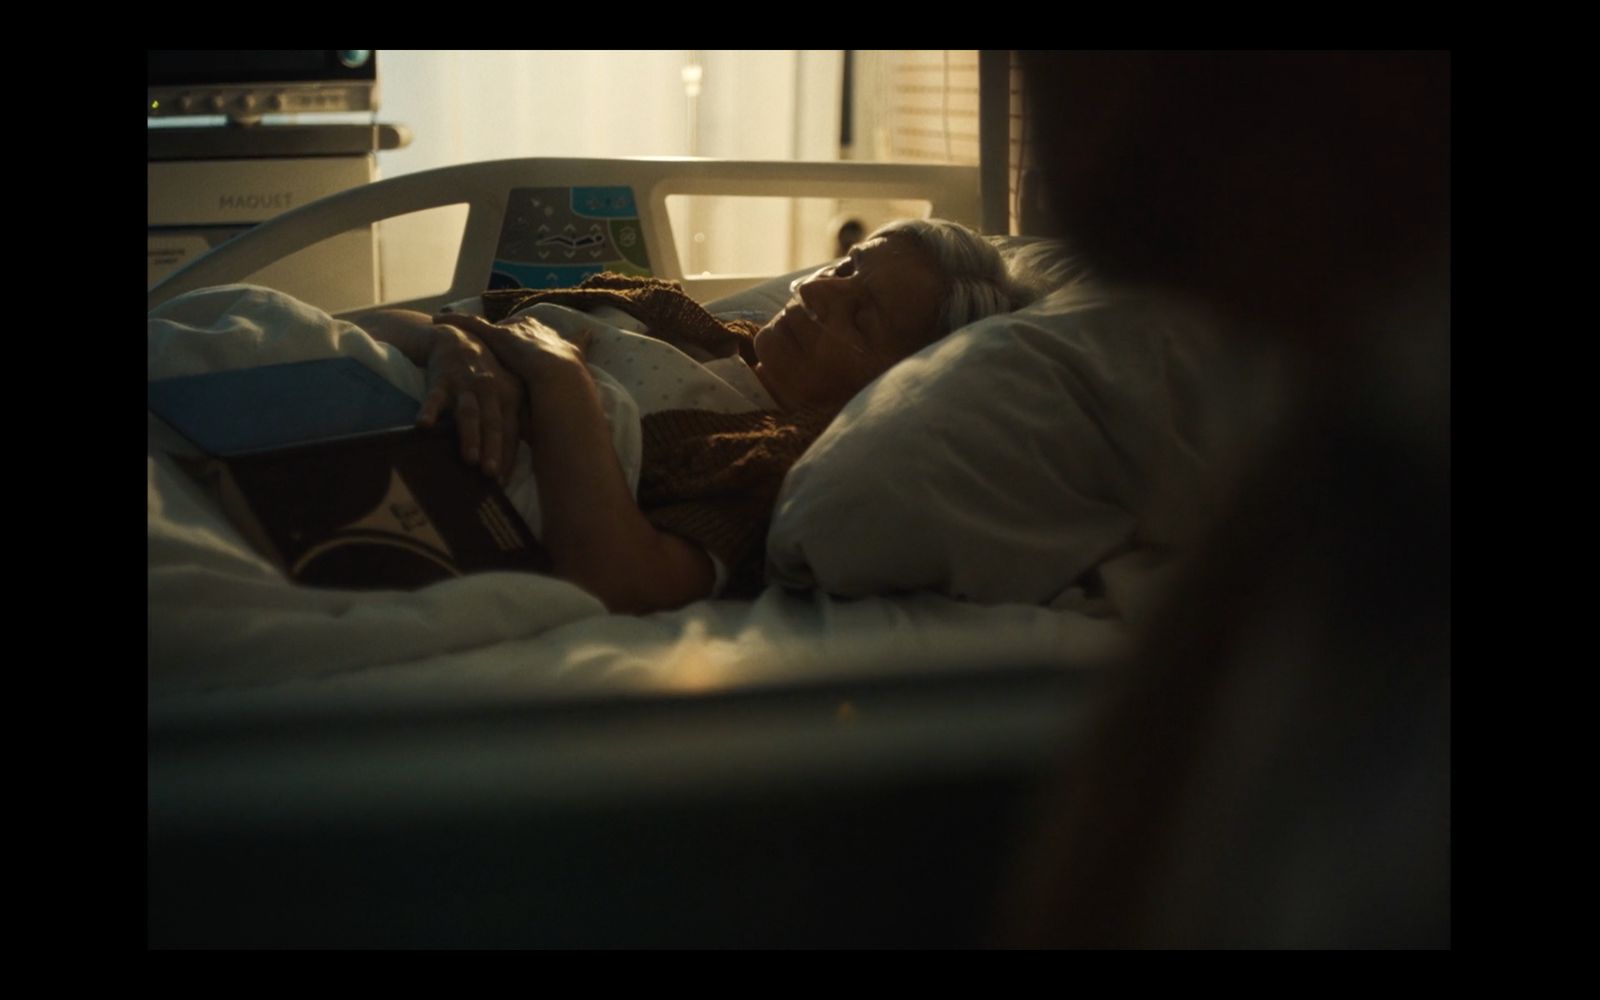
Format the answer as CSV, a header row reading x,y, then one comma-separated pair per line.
x,y
596,535
528,348
487,399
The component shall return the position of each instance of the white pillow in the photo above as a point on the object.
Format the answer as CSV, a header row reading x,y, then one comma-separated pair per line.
x,y
1005,461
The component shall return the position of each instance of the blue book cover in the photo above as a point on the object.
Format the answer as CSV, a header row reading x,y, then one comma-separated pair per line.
x,y
273,406
320,466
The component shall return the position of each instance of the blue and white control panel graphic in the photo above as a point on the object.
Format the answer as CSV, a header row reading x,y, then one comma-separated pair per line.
x,y
554,237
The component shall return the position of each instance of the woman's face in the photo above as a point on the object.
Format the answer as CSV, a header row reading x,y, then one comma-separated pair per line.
x,y
849,322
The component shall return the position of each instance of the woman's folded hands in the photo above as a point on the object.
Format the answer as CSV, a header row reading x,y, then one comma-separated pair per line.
x,y
483,373
593,528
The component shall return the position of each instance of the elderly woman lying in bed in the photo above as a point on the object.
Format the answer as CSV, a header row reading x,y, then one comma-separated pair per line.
x,y
727,408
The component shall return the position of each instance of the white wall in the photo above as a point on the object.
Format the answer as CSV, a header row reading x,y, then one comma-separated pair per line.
x,y
762,106
466,106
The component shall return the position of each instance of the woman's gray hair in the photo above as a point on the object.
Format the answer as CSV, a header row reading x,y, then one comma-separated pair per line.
x,y
979,282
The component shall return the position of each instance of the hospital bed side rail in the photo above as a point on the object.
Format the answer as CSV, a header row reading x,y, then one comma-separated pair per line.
x,y
952,192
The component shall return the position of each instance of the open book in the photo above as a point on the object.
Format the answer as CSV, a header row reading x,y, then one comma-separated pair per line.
x,y
320,467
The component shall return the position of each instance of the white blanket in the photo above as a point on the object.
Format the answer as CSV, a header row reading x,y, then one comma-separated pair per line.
x,y
222,615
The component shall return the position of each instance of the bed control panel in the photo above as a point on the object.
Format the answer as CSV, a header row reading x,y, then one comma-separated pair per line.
x,y
554,237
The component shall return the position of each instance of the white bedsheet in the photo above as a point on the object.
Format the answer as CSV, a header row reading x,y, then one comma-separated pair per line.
x,y
221,617
779,638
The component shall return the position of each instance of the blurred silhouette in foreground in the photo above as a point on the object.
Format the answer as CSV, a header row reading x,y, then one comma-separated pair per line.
x,y
1275,769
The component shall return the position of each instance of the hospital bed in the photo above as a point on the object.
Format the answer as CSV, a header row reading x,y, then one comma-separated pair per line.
x,y
847,760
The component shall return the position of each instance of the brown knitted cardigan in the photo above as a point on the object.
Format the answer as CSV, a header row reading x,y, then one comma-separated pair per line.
x,y
710,477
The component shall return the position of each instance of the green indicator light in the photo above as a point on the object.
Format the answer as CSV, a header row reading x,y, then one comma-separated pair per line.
x,y
155,105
